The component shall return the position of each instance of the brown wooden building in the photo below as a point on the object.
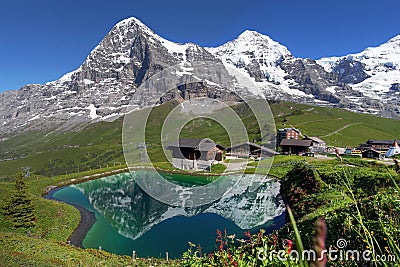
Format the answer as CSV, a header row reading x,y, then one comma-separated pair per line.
x,y
195,153
379,145
297,147
371,154
247,150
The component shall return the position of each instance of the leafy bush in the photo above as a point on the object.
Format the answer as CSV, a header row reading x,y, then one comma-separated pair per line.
x,y
359,201
298,188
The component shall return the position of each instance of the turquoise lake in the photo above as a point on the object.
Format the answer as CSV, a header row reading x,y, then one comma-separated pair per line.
x,y
128,219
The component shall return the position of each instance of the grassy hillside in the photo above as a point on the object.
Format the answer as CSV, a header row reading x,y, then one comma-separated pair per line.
x,y
99,144
338,189
55,153
335,126
46,244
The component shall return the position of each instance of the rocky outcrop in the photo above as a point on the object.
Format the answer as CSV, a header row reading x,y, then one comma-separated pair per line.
x,y
310,78
350,71
395,87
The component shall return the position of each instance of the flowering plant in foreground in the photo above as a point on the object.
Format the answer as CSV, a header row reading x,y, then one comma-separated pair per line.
x,y
363,223
241,252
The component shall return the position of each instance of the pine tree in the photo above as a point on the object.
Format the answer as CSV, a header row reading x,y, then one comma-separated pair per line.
x,y
20,207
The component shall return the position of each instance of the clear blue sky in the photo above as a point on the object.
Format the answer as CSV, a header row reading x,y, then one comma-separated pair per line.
x,y
43,39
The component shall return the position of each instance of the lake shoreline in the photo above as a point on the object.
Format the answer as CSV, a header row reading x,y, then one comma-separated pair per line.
x,y
110,240
88,219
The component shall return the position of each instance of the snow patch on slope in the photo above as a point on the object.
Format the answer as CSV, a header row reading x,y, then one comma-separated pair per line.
x,y
92,112
381,63
252,47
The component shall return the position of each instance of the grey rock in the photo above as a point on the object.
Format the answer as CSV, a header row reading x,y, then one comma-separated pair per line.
x,y
350,71
310,78
395,87
108,78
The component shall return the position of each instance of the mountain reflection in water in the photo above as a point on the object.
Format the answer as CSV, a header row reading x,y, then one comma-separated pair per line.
x,y
134,214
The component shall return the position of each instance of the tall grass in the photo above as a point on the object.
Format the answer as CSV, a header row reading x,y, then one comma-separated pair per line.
x,y
368,219
367,234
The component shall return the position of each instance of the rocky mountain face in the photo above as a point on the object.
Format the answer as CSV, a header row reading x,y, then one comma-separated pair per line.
x,y
348,82
102,87
373,73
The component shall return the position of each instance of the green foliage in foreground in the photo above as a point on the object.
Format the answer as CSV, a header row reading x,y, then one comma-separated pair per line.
x,y
251,251
368,217
20,250
358,200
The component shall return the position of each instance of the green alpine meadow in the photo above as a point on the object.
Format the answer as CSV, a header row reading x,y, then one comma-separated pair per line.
x,y
199,133
357,198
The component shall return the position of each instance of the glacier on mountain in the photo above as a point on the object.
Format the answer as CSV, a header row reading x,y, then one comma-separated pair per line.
x,y
130,53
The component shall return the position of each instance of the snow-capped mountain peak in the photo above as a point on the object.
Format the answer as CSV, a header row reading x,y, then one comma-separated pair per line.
x,y
173,48
103,86
375,72
395,39
249,35
128,22
252,41
105,82
255,51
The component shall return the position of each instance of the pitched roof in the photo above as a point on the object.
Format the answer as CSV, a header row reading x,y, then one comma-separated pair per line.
x,y
379,142
295,142
195,143
266,150
189,142
288,129
249,144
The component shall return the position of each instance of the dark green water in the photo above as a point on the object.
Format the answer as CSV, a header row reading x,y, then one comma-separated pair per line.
x,y
128,219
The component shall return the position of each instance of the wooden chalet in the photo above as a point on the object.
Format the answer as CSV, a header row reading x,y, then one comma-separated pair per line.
x,y
297,147
195,153
247,150
372,154
379,145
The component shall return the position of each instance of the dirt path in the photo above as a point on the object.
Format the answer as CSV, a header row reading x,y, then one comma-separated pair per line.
x,y
307,122
234,166
338,130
